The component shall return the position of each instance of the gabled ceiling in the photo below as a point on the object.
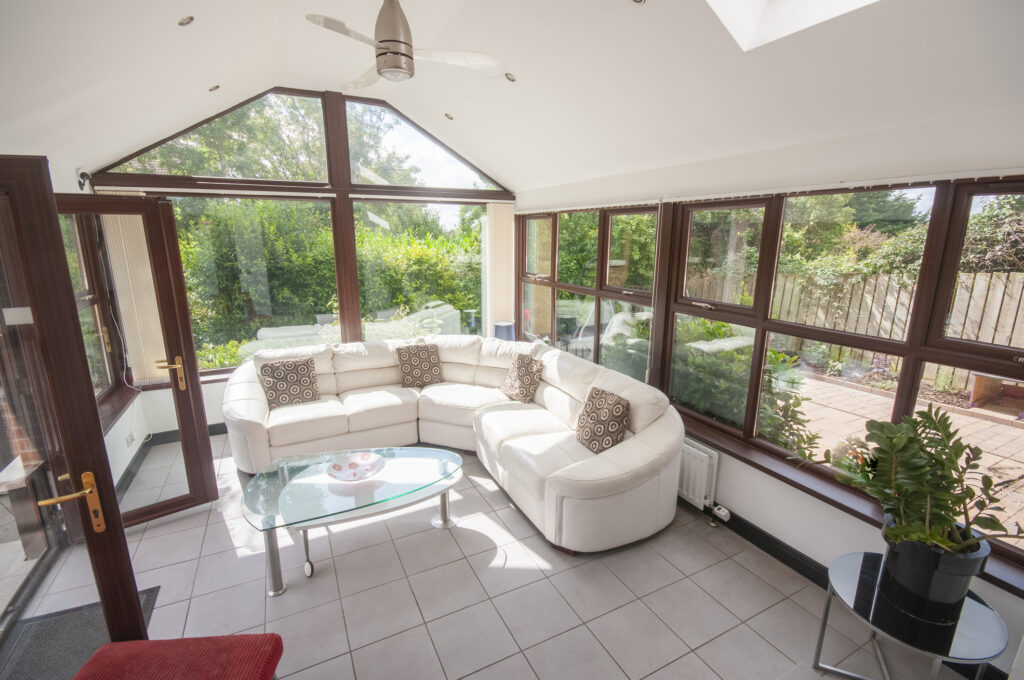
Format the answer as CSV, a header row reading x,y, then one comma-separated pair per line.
x,y
614,101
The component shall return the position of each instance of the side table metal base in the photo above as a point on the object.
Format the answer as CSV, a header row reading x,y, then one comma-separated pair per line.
x,y
444,519
276,585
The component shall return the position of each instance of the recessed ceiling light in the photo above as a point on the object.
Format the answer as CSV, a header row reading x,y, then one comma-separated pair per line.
x,y
639,2
214,88
185,21
449,116
510,78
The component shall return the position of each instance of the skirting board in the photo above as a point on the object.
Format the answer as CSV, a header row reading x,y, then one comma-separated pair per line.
x,y
813,571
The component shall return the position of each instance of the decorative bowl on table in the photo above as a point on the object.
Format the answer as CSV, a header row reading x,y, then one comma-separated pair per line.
x,y
353,467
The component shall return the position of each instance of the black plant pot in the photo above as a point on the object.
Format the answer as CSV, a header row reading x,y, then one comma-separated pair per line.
x,y
928,582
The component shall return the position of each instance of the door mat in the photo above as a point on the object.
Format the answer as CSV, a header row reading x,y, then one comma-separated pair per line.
x,y
54,646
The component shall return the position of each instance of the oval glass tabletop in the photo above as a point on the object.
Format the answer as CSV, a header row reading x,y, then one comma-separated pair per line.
x,y
301,489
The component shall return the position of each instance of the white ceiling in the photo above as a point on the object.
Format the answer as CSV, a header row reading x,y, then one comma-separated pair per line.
x,y
614,101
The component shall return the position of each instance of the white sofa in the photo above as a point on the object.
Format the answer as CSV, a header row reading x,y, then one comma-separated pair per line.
x,y
578,500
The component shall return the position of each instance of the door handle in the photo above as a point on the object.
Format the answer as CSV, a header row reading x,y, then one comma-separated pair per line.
x,y
176,366
88,492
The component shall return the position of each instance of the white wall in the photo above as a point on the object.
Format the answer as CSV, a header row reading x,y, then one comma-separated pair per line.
x,y
823,532
159,407
125,437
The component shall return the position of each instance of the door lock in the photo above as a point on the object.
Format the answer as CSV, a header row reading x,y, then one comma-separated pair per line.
x,y
88,492
176,366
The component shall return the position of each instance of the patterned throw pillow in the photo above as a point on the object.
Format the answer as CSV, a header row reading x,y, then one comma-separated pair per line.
x,y
420,365
290,381
523,378
603,420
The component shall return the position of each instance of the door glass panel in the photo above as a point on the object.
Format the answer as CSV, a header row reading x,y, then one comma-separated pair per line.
x,y
575,323
577,248
988,303
631,251
536,313
625,337
94,350
721,260
74,253
850,261
538,246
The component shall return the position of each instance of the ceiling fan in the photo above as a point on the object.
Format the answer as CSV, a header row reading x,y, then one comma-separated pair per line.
x,y
396,57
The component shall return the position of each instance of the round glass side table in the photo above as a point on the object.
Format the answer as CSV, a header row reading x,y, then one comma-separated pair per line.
x,y
978,635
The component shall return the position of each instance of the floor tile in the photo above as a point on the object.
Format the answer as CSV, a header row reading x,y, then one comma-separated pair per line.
x,y
374,614
226,611
505,568
168,622
691,613
774,572
642,569
721,537
426,550
516,523
794,631
550,559
637,639
471,639
758,658
535,613
513,668
367,568
152,478
75,572
234,533
467,502
687,553
741,592
338,668
812,598
445,589
180,546
573,655
292,552
311,636
226,569
351,536
413,519
591,590
67,599
689,667
175,581
478,533
173,491
304,592
406,656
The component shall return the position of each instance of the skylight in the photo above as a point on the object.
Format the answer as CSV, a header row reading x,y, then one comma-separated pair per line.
x,y
753,23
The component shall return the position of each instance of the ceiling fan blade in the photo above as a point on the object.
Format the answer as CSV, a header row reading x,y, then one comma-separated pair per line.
x,y
477,61
369,78
339,26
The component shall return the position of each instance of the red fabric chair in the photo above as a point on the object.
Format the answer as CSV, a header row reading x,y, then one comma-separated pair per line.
x,y
229,657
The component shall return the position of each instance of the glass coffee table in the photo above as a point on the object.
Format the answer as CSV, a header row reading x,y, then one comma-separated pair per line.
x,y
305,492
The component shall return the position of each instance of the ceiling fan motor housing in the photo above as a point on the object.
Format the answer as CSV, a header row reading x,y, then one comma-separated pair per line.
x,y
394,52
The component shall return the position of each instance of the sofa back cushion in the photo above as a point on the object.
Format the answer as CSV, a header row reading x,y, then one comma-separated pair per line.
x,y
460,355
646,403
496,358
322,364
570,374
366,364
561,404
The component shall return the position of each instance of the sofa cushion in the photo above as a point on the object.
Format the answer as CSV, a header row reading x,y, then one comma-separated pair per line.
x,y
322,363
420,365
289,381
534,458
646,403
560,403
523,378
570,374
456,403
325,417
603,420
501,422
379,406
496,358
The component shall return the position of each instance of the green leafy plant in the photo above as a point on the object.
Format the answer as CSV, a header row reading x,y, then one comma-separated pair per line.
x,y
927,478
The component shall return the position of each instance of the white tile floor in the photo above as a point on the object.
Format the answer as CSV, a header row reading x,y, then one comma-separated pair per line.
x,y
394,598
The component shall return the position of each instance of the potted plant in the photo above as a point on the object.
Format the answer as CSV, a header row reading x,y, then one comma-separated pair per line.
x,y
933,497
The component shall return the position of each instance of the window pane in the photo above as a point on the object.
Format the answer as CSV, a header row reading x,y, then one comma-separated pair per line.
x,y
258,273
574,315
94,351
275,137
385,149
850,261
987,305
721,261
987,410
577,248
625,337
631,251
420,268
536,313
815,395
710,370
538,246
73,253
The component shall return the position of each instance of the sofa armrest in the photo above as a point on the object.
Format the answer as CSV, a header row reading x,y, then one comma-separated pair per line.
x,y
245,415
624,465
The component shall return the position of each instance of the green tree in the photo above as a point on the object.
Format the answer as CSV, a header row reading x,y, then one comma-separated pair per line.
x,y
577,248
886,212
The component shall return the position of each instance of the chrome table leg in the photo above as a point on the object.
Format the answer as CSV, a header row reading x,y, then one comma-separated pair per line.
x,y
277,585
444,519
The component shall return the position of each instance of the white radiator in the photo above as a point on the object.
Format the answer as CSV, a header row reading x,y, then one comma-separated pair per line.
x,y
698,473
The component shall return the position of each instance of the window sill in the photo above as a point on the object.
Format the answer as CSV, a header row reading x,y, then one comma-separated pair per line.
x,y
113,403
1005,568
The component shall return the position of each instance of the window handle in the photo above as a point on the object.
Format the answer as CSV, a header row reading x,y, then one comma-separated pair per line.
x,y
703,305
1019,360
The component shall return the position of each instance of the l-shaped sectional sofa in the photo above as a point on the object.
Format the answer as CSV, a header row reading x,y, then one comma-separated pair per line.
x,y
579,500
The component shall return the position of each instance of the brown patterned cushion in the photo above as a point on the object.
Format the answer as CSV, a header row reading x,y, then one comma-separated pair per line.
x,y
290,381
420,365
523,378
603,420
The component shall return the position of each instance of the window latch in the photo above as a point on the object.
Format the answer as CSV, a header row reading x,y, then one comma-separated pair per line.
x,y
703,305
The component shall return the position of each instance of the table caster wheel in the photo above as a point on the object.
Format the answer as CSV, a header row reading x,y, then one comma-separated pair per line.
x,y
307,568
